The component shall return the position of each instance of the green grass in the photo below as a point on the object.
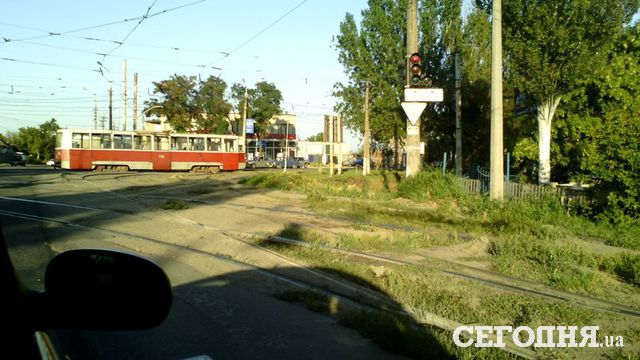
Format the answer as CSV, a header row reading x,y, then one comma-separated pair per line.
x,y
424,290
173,204
391,241
201,190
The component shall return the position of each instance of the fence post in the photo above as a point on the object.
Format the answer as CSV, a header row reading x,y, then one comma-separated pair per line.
x,y
444,164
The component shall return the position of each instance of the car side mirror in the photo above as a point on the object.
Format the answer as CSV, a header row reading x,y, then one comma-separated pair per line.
x,y
103,290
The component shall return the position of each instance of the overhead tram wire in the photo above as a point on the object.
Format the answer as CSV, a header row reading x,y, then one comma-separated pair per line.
x,y
44,64
227,54
95,39
119,44
52,33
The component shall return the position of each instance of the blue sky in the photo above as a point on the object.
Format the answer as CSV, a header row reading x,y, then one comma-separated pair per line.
x,y
50,52
44,75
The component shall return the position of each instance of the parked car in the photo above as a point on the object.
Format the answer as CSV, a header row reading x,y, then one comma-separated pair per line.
x,y
19,160
260,163
304,163
293,163
53,163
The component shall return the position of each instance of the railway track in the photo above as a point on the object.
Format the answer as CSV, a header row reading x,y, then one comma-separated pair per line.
x,y
481,276
332,287
337,291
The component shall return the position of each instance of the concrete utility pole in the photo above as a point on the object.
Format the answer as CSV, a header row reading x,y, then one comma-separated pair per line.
x,y
496,188
366,160
111,107
124,95
331,130
339,133
413,130
135,101
244,121
458,115
286,146
95,114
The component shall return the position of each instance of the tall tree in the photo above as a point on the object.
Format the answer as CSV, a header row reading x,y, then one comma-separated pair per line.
x,y
191,105
175,99
215,108
375,51
598,134
263,102
550,45
39,141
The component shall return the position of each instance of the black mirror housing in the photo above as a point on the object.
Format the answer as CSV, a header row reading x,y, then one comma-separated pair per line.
x,y
95,289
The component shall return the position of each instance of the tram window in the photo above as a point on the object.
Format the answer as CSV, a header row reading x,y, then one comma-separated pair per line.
x,y
59,140
141,142
80,141
214,144
229,145
162,143
197,144
105,141
122,141
180,143
95,141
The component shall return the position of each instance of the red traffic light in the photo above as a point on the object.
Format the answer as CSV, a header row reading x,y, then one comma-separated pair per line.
x,y
415,69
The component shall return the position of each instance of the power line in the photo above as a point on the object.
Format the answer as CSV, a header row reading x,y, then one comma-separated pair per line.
x,y
43,64
53,33
259,33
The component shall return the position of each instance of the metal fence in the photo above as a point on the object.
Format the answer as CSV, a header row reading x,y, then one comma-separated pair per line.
x,y
568,196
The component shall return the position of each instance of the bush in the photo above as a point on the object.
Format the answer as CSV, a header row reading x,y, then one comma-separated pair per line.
x,y
628,268
430,185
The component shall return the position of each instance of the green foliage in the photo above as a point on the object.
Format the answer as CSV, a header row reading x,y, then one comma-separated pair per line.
x,y
397,334
215,109
628,267
317,137
39,142
184,101
173,204
374,52
599,133
263,102
430,185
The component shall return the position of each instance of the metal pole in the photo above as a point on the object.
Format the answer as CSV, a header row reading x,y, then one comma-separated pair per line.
x,y
496,188
111,107
331,130
124,95
413,131
286,146
135,101
339,133
244,121
366,159
458,115
444,164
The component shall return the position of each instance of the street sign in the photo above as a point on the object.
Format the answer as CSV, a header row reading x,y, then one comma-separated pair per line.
x,y
414,110
423,95
250,126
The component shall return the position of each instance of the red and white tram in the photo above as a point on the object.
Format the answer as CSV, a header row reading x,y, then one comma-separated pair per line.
x,y
141,150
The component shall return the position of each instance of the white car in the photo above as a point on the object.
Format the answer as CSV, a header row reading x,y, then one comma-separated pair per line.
x,y
53,164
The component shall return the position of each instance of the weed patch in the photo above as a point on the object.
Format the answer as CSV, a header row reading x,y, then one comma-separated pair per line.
x,y
174,204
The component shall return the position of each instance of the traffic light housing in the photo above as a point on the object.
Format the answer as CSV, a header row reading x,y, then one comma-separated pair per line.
x,y
414,70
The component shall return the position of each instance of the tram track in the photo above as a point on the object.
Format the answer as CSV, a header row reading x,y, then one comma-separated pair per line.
x,y
337,291
336,287
481,276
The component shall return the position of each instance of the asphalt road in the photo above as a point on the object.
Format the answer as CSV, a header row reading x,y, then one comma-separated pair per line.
x,y
221,310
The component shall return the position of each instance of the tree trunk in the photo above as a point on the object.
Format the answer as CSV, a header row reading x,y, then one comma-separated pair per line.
x,y
546,110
